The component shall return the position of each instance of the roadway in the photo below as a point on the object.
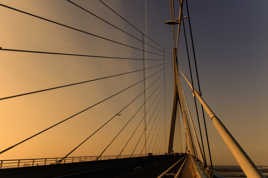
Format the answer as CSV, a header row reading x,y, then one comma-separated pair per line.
x,y
142,167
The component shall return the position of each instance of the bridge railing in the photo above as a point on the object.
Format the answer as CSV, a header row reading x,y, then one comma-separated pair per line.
x,y
18,163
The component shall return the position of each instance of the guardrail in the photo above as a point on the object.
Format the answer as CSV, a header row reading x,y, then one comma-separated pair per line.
x,y
17,163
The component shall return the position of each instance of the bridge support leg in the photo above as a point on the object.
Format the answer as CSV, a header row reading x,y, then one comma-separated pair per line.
x,y
240,155
247,165
178,99
173,123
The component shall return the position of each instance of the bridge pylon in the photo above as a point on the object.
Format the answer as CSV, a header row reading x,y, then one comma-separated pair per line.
x,y
178,99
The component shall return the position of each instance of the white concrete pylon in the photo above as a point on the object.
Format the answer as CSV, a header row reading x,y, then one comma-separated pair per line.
x,y
246,164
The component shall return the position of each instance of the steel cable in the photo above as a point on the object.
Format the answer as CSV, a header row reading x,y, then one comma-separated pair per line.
x,y
76,83
76,114
75,54
77,29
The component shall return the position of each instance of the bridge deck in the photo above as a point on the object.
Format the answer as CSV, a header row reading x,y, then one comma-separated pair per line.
x,y
146,167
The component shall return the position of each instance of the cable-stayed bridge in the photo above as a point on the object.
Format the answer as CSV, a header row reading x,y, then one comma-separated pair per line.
x,y
125,97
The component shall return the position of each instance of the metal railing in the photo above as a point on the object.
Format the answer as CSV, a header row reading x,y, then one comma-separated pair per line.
x,y
18,163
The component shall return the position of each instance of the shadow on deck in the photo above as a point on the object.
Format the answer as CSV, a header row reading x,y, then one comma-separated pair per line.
x,y
142,167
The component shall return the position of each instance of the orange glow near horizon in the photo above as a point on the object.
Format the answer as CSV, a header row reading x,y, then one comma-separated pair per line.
x,y
22,72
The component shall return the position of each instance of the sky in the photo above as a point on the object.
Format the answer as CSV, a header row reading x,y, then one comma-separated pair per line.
x,y
23,72
231,41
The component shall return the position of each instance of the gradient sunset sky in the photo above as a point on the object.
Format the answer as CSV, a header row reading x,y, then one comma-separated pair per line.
x,y
231,41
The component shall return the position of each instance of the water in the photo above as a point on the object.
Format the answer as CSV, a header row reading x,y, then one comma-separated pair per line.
x,y
236,172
